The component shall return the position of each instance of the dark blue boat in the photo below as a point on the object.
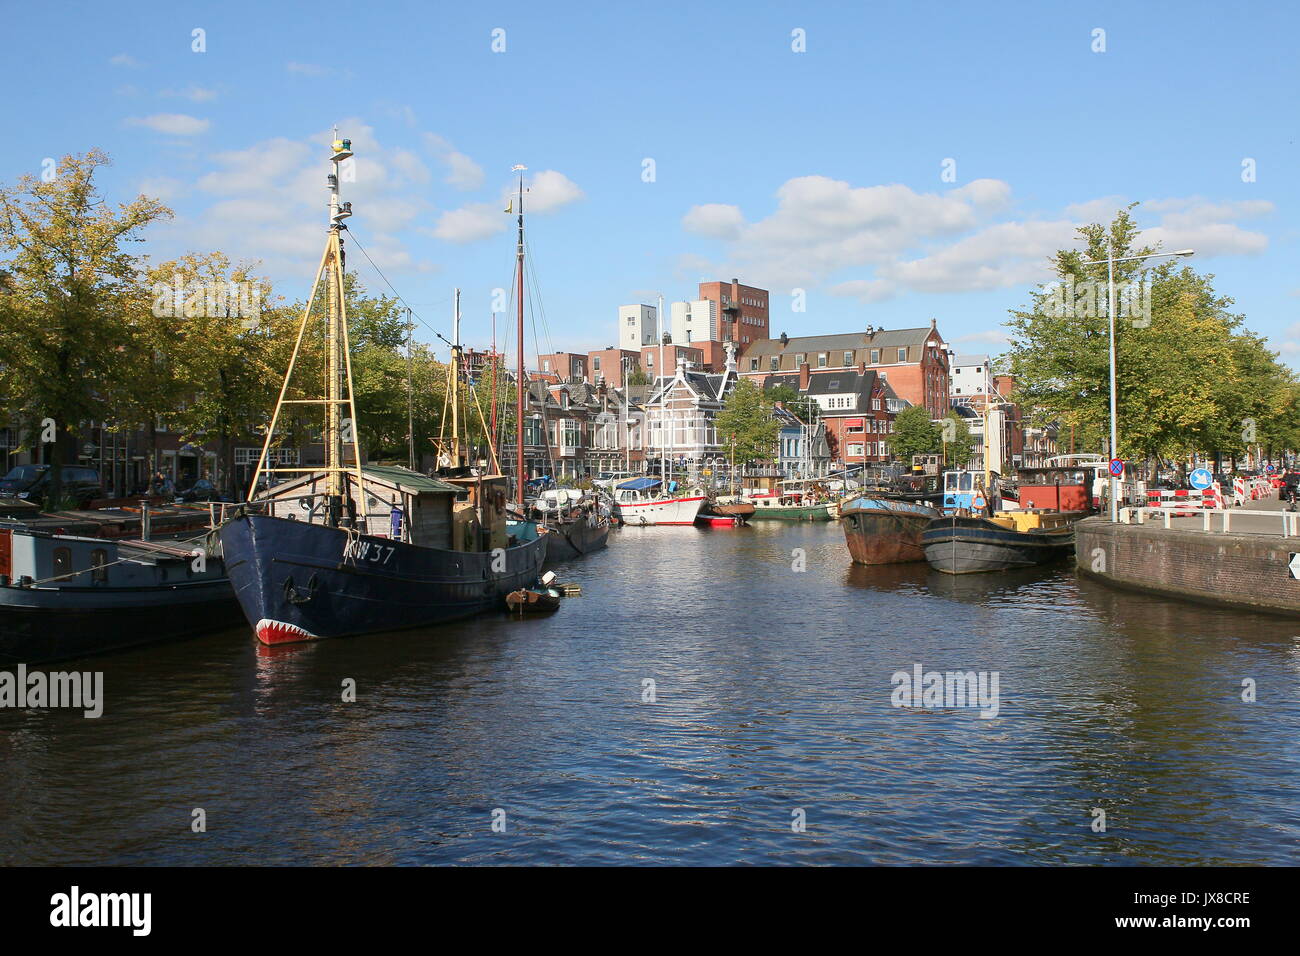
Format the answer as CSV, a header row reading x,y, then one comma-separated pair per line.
x,y
298,581
968,545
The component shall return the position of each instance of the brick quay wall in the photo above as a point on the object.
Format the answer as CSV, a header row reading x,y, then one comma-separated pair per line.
x,y
1242,570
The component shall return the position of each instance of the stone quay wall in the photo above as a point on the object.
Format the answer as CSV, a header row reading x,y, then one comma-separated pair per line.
x,y
1242,570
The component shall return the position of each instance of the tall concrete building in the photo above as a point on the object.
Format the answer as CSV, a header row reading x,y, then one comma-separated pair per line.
x,y
693,322
638,326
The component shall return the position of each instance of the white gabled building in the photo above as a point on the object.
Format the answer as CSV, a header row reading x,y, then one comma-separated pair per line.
x,y
680,413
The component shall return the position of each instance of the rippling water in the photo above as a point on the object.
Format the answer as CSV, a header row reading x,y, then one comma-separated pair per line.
x,y
772,692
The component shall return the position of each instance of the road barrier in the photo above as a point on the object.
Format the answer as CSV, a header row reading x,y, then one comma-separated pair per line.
x,y
1183,502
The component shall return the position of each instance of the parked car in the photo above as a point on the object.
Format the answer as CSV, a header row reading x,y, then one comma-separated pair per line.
x,y
32,483
202,490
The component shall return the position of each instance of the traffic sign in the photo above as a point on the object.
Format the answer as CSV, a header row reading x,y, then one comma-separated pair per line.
x,y
1294,565
1200,479
1270,469
1117,467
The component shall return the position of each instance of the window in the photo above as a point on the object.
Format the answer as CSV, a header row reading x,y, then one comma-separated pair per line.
x,y
595,363
848,358
63,563
546,365
799,358
822,359
99,564
631,320
855,449
776,363
753,365
875,356
902,355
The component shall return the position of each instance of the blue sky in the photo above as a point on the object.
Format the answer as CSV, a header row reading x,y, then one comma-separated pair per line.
x,y
818,170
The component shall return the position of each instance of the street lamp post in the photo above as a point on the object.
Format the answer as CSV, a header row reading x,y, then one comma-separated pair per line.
x,y
1110,306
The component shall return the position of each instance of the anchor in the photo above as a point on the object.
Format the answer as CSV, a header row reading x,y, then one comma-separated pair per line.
x,y
294,596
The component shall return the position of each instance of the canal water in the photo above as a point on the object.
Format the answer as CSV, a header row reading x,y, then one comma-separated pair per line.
x,y
769,734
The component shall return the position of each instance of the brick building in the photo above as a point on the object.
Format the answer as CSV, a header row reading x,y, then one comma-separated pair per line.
x,y
913,361
856,405
612,365
742,311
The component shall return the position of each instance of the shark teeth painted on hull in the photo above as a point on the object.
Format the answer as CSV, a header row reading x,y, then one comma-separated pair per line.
x,y
278,632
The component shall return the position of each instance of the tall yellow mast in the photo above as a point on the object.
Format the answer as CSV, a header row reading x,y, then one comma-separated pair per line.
x,y
340,419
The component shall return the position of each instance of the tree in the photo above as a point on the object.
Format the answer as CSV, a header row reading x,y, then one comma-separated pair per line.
x,y
914,434
69,287
637,376
228,366
957,442
746,424
1187,378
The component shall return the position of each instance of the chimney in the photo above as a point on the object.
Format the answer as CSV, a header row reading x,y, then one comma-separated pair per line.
x,y
805,373
862,368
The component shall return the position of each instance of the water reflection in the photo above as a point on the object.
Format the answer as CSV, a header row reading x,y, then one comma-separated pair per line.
x,y
770,657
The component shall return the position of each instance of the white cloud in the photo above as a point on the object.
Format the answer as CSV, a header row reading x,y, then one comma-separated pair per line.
x,y
172,124
545,192
875,242
548,190
866,290
195,94
163,187
987,337
470,223
714,220
268,202
462,172
124,60
306,69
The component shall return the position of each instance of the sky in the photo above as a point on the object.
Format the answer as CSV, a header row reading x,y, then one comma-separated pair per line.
x,y
882,163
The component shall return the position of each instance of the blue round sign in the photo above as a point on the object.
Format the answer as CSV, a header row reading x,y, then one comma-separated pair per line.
x,y
1117,467
1200,479
1270,469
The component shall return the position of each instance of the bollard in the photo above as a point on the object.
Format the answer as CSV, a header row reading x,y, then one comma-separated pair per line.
x,y
1169,513
1142,516
1226,515
1206,522
144,521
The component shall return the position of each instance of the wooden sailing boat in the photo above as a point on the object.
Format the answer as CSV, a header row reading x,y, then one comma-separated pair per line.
x,y
350,548
571,531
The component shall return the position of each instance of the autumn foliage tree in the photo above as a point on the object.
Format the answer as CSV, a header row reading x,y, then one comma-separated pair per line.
x,y
69,282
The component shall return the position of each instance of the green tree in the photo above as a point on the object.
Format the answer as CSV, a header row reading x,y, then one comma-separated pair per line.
x,y
228,366
914,434
637,376
64,304
746,425
1186,377
957,442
